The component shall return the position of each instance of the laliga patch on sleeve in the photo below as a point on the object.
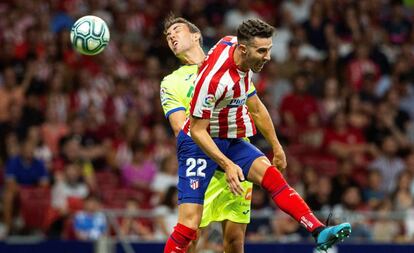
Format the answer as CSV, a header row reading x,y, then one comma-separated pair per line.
x,y
209,101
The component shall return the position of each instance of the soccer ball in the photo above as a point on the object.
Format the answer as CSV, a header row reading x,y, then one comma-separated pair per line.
x,y
89,35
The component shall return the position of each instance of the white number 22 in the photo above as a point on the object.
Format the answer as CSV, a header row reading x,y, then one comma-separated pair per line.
x,y
192,163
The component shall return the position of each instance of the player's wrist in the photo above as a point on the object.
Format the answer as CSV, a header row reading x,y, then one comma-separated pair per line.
x,y
227,164
277,149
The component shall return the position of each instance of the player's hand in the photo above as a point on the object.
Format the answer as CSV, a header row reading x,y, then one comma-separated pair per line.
x,y
234,175
279,160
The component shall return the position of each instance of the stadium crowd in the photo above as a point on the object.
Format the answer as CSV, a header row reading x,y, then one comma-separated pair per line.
x,y
79,134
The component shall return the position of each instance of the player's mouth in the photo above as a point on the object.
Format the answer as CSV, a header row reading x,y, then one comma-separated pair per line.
x,y
175,44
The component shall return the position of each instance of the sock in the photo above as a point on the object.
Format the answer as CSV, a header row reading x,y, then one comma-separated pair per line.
x,y
180,239
288,200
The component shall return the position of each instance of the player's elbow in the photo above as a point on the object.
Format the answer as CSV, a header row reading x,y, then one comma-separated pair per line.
x,y
195,133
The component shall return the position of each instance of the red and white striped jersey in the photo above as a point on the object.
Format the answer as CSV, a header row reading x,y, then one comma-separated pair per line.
x,y
221,91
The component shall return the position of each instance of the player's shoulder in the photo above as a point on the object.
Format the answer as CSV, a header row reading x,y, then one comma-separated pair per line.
x,y
220,47
178,74
171,78
229,39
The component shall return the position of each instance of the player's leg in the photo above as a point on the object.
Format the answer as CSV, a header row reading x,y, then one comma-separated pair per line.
x,y
193,245
289,201
195,170
233,236
221,205
258,169
189,218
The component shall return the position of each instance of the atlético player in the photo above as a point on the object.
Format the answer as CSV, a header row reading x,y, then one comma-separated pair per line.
x,y
219,119
220,204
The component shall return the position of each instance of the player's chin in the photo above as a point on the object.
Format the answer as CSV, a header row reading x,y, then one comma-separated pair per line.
x,y
257,69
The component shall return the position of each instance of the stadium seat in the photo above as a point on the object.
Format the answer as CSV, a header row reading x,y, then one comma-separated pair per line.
x,y
34,203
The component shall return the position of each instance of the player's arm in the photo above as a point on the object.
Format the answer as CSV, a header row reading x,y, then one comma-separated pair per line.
x,y
203,139
264,123
173,108
177,120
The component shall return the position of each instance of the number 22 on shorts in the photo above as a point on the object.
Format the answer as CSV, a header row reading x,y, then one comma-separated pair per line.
x,y
192,171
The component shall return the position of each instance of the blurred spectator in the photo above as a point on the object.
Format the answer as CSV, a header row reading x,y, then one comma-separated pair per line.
x,y
385,229
406,92
260,227
234,17
72,152
315,27
21,171
402,198
69,190
342,181
384,124
321,199
90,223
398,27
166,177
52,130
141,171
331,101
373,195
130,226
360,66
167,214
25,170
275,86
359,112
68,193
388,163
341,141
11,92
299,109
298,9
291,65
352,202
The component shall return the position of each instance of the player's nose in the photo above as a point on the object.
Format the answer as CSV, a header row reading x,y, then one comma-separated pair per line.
x,y
267,57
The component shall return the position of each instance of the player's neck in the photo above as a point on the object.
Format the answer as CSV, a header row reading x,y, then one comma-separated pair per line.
x,y
238,60
194,56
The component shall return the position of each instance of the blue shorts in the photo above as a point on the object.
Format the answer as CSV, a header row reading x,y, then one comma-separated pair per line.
x,y
195,168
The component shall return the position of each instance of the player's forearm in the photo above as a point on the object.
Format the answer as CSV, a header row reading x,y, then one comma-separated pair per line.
x,y
206,143
263,122
202,138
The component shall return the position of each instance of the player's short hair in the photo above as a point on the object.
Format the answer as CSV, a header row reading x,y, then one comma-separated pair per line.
x,y
254,28
171,19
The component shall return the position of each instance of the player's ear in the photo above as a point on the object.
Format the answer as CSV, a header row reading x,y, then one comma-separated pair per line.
x,y
196,37
243,48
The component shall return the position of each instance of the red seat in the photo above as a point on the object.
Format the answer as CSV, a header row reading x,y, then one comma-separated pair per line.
x,y
323,165
34,203
106,180
117,198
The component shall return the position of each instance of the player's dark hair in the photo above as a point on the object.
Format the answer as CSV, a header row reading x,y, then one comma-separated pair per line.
x,y
171,19
254,28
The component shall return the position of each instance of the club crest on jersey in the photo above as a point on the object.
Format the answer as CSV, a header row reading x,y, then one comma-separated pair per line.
x,y
194,184
209,101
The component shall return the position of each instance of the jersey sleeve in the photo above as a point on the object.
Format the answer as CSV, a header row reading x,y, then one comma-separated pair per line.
x,y
252,90
170,101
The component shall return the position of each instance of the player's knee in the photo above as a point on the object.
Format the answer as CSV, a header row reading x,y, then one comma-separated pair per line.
x,y
234,242
190,215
